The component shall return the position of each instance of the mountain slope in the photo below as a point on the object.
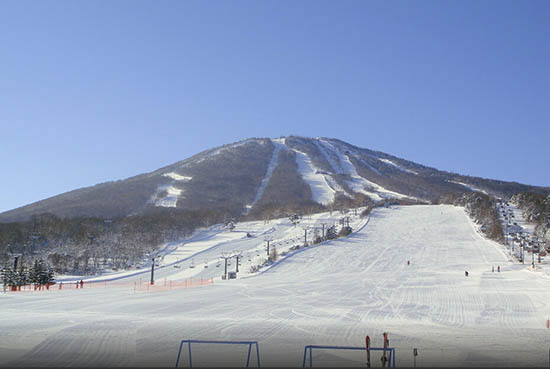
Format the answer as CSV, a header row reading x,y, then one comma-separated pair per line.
x,y
256,173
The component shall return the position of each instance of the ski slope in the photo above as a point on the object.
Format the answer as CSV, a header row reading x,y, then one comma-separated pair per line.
x,y
334,293
320,185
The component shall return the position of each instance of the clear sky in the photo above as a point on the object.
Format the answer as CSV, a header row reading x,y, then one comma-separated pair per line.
x,y
92,91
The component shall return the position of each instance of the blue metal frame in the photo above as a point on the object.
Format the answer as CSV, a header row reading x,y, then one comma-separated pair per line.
x,y
249,343
391,357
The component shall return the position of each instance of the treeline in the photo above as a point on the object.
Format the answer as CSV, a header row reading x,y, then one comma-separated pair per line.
x,y
17,276
86,245
482,208
536,209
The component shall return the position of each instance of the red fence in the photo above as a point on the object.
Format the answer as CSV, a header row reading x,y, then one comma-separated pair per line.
x,y
137,286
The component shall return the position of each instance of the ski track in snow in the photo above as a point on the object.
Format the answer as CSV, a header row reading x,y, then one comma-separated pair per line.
x,y
322,146
356,182
331,294
387,161
271,167
177,177
470,187
321,191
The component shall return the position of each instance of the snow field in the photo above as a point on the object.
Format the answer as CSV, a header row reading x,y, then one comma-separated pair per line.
x,y
356,182
331,294
321,191
177,177
270,168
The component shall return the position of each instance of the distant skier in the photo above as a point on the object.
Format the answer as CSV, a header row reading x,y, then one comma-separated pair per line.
x,y
493,269
81,283
498,269
76,284
408,262
466,273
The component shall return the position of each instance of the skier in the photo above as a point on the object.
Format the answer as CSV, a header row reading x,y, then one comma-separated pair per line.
x,y
81,283
498,269
466,273
408,262
76,284
493,269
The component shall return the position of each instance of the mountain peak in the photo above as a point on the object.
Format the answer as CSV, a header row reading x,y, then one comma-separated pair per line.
x,y
255,174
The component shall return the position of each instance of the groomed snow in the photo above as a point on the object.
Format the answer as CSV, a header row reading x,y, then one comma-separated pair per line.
x,y
329,294
321,191
270,168
356,182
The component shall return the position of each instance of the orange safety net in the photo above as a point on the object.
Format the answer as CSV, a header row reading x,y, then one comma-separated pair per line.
x,y
137,286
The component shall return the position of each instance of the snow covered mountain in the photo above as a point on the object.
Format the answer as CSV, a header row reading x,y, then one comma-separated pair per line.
x,y
257,175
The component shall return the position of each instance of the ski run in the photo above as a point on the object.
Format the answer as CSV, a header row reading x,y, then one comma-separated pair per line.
x,y
323,186
402,271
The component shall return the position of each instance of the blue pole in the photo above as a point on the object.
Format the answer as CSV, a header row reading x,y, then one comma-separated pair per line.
x,y
190,361
248,356
258,354
179,353
304,362
310,358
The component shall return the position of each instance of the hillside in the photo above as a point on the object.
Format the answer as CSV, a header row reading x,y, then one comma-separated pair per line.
x,y
333,293
260,176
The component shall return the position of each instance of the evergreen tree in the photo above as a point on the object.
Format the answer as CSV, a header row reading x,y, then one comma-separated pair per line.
x,y
8,277
34,272
40,273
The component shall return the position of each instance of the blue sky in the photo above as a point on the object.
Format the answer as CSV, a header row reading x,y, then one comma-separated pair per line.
x,y
103,90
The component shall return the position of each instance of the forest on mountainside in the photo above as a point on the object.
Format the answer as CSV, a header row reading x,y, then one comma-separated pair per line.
x,y
481,208
536,209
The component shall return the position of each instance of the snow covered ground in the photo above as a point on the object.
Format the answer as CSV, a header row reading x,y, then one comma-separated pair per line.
x,y
341,164
279,144
321,191
334,293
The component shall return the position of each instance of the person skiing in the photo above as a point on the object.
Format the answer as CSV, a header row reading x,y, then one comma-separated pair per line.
x,y
408,262
498,269
493,269
466,273
81,283
76,284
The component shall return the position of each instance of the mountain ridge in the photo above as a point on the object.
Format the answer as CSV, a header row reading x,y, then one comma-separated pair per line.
x,y
247,175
